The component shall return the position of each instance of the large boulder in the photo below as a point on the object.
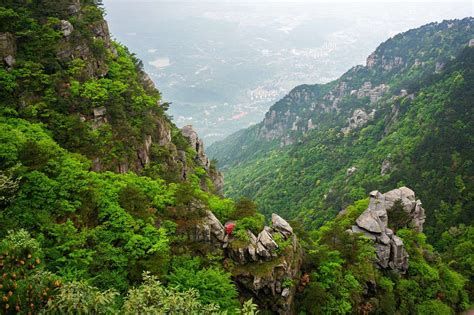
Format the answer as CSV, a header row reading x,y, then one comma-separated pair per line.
x,y
210,229
375,220
280,225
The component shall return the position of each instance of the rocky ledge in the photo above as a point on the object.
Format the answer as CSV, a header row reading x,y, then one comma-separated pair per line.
x,y
374,224
265,267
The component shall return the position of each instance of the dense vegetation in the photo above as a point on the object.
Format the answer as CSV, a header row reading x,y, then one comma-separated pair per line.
x,y
94,221
75,236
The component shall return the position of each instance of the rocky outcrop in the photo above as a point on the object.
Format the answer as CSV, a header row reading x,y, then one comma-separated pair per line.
x,y
386,63
209,229
7,49
280,225
386,167
197,144
374,223
264,267
351,170
217,178
201,158
78,47
267,265
374,93
358,119
66,28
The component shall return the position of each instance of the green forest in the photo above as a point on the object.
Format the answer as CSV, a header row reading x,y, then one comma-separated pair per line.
x,y
107,207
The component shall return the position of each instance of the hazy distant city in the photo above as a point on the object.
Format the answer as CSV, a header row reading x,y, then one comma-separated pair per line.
x,y
222,65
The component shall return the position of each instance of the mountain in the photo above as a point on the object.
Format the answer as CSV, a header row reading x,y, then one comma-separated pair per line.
x,y
106,207
104,202
402,119
222,64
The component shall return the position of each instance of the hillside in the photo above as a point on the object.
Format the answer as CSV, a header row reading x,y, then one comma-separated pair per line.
x,y
106,207
103,200
404,118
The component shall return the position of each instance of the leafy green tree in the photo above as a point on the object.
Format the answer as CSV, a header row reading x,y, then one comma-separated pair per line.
x,y
24,286
213,285
81,298
151,297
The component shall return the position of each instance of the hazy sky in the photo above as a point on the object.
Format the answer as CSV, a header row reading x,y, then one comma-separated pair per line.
x,y
313,1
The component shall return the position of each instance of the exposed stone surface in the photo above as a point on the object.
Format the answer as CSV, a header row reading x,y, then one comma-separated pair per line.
x,y
163,133
373,223
386,63
374,93
209,229
217,178
9,61
439,67
197,144
261,267
359,118
8,48
201,158
386,167
371,59
280,225
66,28
100,117
351,170
471,42
262,271
144,153
147,81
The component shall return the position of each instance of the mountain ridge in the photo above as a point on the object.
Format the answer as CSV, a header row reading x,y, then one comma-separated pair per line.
x,y
299,132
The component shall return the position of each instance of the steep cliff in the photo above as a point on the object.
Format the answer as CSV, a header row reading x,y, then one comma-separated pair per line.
x,y
93,94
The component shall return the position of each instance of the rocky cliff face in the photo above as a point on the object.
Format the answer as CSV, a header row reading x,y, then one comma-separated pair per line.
x,y
7,49
265,268
375,221
201,158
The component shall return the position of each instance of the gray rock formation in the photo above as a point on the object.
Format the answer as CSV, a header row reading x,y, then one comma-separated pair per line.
x,y
7,49
197,144
374,222
261,266
66,28
163,132
209,229
201,158
358,119
351,170
280,225
374,93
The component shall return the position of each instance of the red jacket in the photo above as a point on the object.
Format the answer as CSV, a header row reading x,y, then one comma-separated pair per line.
x,y
229,227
